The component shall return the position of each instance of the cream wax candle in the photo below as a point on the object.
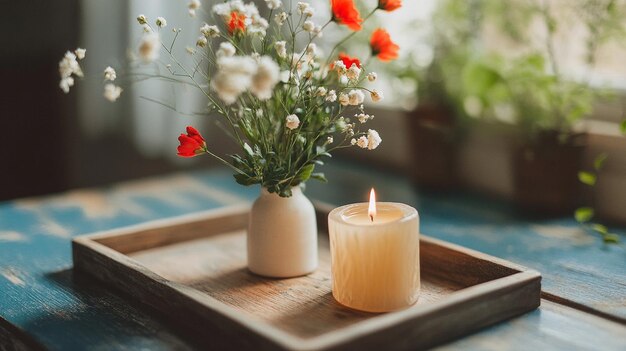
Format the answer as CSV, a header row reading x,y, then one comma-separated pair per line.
x,y
375,255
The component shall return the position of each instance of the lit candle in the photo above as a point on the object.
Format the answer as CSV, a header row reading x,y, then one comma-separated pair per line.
x,y
375,255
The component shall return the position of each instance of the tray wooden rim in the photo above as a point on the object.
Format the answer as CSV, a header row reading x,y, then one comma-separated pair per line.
x,y
523,277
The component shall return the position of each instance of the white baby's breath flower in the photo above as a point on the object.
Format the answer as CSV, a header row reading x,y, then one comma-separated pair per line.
x,y
273,4
281,48
317,31
321,91
343,79
285,76
112,92
329,140
373,139
339,66
362,142
80,53
249,9
258,26
190,50
149,47
161,22
280,18
292,122
303,6
202,41
233,77
331,96
147,28
376,95
142,19
109,74
311,50
296,62
222,9
226,50
210,31
353,72
344,100
66,83
309,12
372,76
308,26
68,66
353,141
194,4
356,97
341,124
362,117
266,78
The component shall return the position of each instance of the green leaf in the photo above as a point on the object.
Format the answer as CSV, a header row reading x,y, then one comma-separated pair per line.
x,y
587,178
602,229
319,176
245,179
622,126
305,173
320,151
478,78
611,238
536,61
248,149
584,214
598,162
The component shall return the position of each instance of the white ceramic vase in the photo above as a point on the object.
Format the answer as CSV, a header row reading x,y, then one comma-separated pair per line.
x,y
282,235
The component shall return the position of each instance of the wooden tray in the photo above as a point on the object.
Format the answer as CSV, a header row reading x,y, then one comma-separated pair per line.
x,y
193,269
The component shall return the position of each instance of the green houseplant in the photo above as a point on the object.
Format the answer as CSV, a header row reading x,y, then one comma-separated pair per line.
x,y
435,124
532,91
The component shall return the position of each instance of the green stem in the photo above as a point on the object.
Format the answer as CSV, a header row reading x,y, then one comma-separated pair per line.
x,y
330,55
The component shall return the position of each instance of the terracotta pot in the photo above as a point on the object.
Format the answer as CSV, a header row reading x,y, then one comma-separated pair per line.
x,y
433,137
546,174
282,235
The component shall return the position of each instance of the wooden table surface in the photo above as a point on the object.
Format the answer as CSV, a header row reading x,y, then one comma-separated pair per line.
x,y
44,304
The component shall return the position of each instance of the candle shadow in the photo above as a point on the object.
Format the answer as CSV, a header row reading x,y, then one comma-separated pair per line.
x,y
318,316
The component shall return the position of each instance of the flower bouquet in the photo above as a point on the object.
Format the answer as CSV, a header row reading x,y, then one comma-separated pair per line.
x,y
285,104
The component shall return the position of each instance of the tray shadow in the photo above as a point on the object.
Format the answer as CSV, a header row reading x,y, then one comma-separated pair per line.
x,y
303,306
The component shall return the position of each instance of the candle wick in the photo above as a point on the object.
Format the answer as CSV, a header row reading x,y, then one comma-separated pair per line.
x,y
372,218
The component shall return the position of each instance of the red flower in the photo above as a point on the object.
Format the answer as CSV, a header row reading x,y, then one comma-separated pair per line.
x,y
237,22
344,12
191,144
348,61
389,5
382,46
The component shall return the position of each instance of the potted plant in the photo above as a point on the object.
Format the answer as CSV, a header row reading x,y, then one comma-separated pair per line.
x,y
282,102
435,124
530,90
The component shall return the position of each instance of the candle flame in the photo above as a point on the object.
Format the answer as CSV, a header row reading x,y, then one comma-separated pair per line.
x,y
372,208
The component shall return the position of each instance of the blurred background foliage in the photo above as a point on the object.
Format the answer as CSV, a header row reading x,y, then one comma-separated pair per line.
x,y
503,60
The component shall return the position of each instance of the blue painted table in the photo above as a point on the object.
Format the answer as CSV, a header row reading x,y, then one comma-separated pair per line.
x,y
43,304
